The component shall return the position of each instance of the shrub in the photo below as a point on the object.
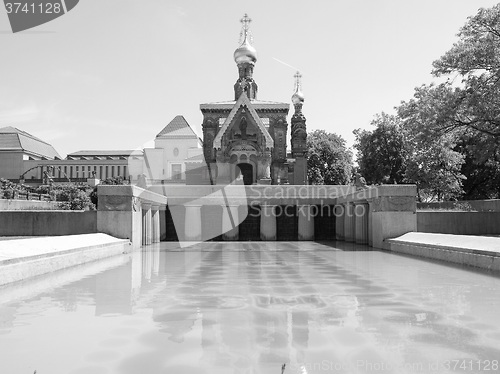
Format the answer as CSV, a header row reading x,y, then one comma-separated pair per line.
x,y
72,197
7,193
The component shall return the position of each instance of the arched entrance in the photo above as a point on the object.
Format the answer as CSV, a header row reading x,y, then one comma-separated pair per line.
x,y
246,170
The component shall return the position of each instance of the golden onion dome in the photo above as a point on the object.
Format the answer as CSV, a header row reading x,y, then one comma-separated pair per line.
x,y
245,53
298,96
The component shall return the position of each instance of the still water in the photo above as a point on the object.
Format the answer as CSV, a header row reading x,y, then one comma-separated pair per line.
x,y
249,308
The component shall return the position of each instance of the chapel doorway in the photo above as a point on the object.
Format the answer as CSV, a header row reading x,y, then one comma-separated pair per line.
x,y
247,173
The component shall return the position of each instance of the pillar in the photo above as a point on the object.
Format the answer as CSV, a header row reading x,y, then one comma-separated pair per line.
x,y
349,223
149,231
339,221
155,218
230,222
146,224
306,222
267,223
192,225
370,223
143,226
154,213
361,222
163,222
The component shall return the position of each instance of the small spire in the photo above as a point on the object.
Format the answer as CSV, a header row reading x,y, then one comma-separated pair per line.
x,y
298,83
298,96
245,28
245,21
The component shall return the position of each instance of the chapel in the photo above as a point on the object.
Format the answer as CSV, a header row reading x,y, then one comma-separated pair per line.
x,y
246,138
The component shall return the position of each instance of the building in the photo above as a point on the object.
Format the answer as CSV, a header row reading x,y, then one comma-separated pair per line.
x,y
176,147
18,148
25,158
247,137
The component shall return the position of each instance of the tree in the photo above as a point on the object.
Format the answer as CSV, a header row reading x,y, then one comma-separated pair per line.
x,y
381,153
435,168
482,177
457,123
475,103
328,159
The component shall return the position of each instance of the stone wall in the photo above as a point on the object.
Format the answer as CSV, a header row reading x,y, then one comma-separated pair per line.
x,y
459,223
47,223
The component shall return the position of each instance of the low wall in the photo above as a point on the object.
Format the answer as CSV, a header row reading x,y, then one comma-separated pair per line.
x,y
459,223
492,205
26,204
47,223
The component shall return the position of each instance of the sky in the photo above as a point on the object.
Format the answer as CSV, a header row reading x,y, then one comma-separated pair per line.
x,y
110,74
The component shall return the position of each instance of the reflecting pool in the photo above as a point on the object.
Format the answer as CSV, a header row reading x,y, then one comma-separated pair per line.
x,y
249,308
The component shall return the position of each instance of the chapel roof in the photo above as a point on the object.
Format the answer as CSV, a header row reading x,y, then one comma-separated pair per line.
x,y
178,127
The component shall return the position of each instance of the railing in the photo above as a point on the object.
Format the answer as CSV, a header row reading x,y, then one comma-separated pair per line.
x,y
38,181
21,195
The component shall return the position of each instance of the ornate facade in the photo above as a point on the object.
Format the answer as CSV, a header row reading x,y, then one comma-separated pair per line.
x,y
246,137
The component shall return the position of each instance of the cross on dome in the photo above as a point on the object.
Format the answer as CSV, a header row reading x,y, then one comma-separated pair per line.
x,y
245,29
298,78
245,21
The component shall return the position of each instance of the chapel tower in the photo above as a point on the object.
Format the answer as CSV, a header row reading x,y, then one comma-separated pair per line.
x,y
299,134
245,57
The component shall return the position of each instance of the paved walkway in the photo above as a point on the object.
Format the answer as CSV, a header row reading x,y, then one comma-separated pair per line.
x,y
23,258
477,251
464,243
25,249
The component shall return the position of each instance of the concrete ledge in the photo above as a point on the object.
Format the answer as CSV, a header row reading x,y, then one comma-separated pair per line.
x,y
253,194
477,251
27,204
47,222
24,258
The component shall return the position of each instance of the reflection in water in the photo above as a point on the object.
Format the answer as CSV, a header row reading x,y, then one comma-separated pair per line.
x,y
249,308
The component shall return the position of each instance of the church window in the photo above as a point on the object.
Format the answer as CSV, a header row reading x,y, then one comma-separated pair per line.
x,y
176,171
176,152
